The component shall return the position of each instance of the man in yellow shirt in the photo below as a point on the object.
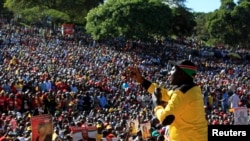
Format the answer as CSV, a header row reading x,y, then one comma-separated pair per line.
x,y
182,106
99,132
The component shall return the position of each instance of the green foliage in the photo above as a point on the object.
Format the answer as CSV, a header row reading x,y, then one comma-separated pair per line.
x,y
228,25
199,30
4,12
240,16
57,15
58,10
136,19
175,2
184,22
31,14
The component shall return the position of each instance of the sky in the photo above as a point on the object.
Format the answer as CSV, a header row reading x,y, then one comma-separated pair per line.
x,y
203,5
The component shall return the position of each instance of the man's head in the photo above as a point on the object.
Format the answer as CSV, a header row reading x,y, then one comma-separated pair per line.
x,y
182,72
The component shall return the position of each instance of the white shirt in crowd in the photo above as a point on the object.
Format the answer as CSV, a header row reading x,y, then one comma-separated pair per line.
x,y
234,101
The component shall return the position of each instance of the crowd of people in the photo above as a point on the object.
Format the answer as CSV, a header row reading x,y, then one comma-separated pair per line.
x,y
79,81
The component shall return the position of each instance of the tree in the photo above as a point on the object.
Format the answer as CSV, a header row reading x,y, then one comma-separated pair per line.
x,y
137,19
220,23
183,22
175,3
228,24
4,12
200,30
240,16
57,10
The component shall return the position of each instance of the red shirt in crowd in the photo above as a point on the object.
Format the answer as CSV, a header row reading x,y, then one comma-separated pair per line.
x,y
18,102
2,102
10,102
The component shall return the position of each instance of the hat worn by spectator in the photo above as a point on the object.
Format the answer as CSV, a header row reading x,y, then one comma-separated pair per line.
x,y
98,126
155,133
187,66
109,127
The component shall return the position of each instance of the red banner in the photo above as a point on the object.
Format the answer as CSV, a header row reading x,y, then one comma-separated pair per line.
x,y
68,29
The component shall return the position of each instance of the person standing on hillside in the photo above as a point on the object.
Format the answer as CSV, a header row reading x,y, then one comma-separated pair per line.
x,y
180,107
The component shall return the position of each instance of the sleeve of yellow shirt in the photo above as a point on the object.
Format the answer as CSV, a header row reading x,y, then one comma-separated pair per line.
x,y
164,92
174,107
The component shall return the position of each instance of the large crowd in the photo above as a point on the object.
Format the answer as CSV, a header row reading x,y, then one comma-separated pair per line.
x,y
78,80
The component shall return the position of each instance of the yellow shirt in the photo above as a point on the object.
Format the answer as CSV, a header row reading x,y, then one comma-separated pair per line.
x,y
145,134
133,131
187,107
19,86
210,100
98,137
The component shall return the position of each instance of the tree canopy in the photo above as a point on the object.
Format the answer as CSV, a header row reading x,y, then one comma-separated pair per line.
x,y
56,10
228,24
137,19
